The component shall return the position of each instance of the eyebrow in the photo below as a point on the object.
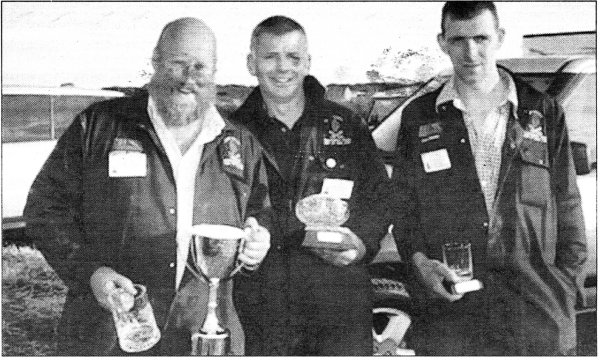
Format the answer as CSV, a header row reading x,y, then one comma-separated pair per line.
x,y
463,37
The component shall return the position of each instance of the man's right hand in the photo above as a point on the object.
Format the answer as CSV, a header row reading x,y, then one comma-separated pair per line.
x,y
431,274
104,281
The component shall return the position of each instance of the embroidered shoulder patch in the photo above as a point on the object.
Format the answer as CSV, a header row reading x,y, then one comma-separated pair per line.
x,y
230,152
534,129
336,135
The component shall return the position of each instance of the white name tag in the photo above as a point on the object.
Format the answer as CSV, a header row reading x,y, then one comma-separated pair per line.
x,y
126,164
329,237
436,161
339,188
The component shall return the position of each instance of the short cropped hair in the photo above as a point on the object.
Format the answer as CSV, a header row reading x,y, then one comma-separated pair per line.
x,y
275,25
466,10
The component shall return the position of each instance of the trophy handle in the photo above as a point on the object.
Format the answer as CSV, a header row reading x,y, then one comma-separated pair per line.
x,y
239,264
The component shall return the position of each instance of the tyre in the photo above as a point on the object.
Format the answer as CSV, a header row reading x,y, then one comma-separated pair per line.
x,y
391,309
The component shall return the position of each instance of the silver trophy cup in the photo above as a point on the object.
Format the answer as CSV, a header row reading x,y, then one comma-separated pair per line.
x,y
214,251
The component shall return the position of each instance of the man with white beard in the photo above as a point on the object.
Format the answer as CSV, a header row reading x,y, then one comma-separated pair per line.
x,y
115,202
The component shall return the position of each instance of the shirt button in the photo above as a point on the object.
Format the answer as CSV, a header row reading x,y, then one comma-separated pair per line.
x,y
172,211
283,129
485,225
462,141
172,265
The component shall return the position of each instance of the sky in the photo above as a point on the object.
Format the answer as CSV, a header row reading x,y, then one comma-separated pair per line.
x,y
102,44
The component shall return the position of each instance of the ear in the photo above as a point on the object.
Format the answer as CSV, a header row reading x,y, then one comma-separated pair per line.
x,y
251,64
442,43
501,35
155,56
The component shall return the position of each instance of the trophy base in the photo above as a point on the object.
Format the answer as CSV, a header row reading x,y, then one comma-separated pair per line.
x,y
211,344
327,239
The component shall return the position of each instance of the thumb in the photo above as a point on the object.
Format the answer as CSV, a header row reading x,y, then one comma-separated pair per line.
x,y
447,273
252,223
125,284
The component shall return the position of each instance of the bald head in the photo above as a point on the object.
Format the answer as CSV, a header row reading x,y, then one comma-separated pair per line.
x,y
185,36
184,63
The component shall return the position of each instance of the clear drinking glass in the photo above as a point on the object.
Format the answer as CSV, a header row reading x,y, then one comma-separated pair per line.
x,y
134,319
458,257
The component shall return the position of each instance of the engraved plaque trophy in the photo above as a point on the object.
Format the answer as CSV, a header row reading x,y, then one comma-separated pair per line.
x,y
214,251
323,215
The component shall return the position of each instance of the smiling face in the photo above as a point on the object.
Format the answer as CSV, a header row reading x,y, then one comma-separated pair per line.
x,y
472,45
280,63
183,82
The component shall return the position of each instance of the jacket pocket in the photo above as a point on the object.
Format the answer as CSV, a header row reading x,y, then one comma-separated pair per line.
x,y
535,173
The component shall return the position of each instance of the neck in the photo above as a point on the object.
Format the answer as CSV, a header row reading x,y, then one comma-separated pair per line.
x,y
288,112
479,88
482,93
185,135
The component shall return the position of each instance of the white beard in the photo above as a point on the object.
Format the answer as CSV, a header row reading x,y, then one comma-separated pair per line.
x,y
179,109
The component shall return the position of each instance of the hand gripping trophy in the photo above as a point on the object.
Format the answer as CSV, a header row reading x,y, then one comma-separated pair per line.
x,y
214,251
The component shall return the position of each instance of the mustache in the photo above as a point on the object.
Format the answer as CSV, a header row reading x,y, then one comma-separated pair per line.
x,y
171,85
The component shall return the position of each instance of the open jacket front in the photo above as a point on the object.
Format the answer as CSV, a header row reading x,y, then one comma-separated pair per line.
x,y
534,234
81,218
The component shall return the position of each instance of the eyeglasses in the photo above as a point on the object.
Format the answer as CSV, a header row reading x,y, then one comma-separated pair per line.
x,y
186,67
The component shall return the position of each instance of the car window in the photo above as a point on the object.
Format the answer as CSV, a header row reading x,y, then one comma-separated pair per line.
x,y
382,108
67,107
540,82
25,118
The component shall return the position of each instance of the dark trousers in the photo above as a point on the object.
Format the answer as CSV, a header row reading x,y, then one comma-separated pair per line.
x,y
494,321
312,308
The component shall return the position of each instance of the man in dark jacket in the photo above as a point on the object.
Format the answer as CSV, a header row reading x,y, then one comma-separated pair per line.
x,y
115,202
302,301
486,161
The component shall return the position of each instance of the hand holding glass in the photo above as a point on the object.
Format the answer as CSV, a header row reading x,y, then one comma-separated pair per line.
x,y
134,319
458,257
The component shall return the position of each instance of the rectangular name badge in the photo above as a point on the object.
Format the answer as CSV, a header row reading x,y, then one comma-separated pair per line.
x,y
126,164
339,188
436,161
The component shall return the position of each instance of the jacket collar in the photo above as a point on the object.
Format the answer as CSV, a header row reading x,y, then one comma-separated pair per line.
x,y
254,105
449,93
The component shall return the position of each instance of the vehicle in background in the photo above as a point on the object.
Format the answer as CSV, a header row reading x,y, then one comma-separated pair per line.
x,y
33,118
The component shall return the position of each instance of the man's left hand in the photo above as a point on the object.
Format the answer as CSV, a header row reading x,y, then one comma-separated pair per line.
x,y
258,242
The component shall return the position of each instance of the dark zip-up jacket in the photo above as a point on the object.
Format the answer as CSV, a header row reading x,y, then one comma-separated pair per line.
x,y
358,161
534,235
81,218
290,274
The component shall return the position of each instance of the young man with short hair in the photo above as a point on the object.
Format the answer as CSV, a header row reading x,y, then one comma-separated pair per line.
x,y
485,160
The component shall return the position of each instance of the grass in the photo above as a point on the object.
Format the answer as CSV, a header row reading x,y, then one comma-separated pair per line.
x,y
32,301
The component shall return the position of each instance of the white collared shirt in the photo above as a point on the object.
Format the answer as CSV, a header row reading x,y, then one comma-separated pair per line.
x,y
486,135
185,167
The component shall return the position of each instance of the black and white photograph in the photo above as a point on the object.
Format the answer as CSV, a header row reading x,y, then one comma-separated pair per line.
x,y
327,178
